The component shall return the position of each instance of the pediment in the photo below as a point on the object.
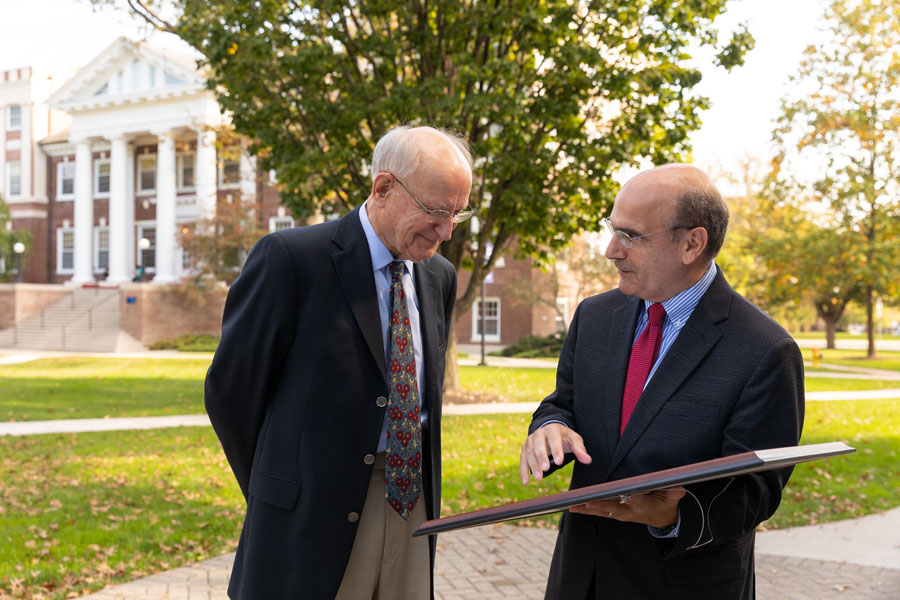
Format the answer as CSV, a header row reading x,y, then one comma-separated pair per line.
x,y
128,72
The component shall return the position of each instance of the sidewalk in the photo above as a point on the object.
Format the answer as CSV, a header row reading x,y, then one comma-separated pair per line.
x,y
504,561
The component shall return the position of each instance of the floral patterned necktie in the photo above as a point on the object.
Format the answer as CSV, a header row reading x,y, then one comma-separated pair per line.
x,y
403,472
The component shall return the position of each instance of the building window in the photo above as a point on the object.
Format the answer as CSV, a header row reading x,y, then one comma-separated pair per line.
x,y
101,177
14,122
146,179
491,320
13,179
562,314
147,258
65,181
101,249
185,162
65,250
280,223
230,173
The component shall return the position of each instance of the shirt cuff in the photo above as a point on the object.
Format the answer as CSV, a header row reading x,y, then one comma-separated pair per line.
x,y
662,534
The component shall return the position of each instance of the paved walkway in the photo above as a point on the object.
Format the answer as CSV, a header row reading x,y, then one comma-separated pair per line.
x,y
504,561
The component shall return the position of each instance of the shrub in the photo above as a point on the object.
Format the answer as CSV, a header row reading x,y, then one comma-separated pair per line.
x,y
191,342
535,346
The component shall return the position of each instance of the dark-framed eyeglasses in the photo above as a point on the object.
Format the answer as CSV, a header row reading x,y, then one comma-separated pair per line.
x,y
437,216
629,240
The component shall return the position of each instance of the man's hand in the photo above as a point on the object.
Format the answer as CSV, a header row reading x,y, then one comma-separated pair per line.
x,y
657,509
553,439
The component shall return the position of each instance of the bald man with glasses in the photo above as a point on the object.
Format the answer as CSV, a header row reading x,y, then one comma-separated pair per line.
x,y
325,390
672,367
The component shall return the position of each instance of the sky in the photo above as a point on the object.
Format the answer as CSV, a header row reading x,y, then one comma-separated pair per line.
x,y
67,34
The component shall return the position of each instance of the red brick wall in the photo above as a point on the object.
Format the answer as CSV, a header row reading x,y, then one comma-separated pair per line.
x,y
34,263
164,312
18,302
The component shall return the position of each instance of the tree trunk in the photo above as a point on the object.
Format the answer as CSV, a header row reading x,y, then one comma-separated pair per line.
x,y
830,327
870,320
451,367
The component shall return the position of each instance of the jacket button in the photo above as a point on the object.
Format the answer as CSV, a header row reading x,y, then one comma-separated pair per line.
x,y
353,517
369,459
381,401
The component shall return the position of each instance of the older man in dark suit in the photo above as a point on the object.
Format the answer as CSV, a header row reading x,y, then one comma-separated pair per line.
x,y
325,390
673,367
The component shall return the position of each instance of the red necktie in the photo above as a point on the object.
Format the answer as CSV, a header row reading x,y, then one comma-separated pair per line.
x,y
643,355
403,456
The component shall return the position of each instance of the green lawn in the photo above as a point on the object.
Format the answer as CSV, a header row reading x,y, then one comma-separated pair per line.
x,y
840,335
528,384
77,388
829,384
80,510
886,359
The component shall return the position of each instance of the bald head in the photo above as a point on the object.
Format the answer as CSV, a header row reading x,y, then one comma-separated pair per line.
x,y
690,196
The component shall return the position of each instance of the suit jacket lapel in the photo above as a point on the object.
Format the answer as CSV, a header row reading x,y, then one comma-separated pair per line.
x,y
353,265
696,339
624,321
429,304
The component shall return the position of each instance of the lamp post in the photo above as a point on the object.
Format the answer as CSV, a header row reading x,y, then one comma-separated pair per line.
x,y
18,248
143,245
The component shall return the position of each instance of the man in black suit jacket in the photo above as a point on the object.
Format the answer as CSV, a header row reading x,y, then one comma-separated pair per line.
x,y
298,389
727,379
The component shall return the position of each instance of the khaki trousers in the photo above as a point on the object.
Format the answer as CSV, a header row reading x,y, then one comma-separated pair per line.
x,y
386,562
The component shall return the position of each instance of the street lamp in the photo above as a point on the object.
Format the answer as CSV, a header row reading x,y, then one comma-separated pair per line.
x,y
143,245
18,248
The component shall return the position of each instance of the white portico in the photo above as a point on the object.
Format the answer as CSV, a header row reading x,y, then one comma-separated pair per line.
x,y
138,162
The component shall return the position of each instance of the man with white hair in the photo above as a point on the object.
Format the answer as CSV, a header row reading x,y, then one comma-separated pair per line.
x,y
325,390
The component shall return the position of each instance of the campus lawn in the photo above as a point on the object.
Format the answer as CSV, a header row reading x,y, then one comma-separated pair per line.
x,y
840,335
520,384
77,388
886,359
78,511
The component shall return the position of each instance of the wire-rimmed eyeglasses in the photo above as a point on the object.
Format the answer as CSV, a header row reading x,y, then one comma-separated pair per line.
x,y
629,240
438,216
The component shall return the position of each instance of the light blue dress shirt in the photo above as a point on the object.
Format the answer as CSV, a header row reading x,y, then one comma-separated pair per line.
x,y
381,260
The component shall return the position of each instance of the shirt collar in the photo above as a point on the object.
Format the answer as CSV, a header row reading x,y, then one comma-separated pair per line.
x,y
381,256
680,306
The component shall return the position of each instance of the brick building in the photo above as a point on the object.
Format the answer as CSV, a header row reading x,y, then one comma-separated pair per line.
x,y
122,152
107,168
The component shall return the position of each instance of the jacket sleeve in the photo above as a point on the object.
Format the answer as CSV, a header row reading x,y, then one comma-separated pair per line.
x,y
258,327
560,404
768,414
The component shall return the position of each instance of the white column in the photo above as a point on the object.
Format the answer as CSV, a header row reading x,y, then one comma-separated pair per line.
x,y
248,177
3,117
165,209
205,172
130,242
84,213
26,151
118,210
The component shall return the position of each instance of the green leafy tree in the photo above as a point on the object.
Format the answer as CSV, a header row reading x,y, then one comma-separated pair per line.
x,y
554,96
805,260
8,238
839,140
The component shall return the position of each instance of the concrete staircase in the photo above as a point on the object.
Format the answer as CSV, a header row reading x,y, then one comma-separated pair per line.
x,y
85,319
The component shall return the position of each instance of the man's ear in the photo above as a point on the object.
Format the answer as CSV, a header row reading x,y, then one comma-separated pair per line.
x,y
693,243
380,187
